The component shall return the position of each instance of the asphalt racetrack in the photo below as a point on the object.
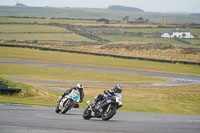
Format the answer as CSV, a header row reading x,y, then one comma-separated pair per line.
x,y
177,79
22,119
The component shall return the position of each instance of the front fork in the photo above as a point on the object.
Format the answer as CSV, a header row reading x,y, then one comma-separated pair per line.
x,y
108,108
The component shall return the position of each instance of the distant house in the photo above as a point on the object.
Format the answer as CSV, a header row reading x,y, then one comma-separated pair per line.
x,y
140,20
103,21
177,34
125,20
115,21
106,21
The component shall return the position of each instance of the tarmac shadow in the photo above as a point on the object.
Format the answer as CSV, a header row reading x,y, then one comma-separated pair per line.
x,y
100,120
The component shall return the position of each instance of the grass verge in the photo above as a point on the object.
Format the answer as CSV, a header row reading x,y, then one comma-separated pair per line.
x,y
89,60
52,73
29,95
155,99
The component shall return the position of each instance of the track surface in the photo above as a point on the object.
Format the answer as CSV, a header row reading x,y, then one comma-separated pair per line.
x,y
177,79
21,119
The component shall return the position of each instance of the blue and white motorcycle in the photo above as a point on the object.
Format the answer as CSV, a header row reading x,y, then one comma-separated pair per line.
x,y
67,102
105,109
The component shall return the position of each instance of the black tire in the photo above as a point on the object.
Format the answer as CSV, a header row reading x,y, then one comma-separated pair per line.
x,y
106,116
57,109
87,114
67,106
76,105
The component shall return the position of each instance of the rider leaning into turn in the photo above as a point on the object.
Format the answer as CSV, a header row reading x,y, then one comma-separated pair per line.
x,y
110,92
78,87
113,91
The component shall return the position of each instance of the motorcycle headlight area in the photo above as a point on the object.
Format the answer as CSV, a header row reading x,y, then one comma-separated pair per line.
x,y
118,100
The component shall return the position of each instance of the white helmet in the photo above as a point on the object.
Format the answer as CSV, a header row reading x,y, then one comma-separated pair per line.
x,y
79,86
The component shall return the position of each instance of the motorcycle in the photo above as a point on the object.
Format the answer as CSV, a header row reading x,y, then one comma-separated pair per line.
x,y
67,102
108,106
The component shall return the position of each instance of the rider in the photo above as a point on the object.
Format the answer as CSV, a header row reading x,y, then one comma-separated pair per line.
x,y
110,92
78,87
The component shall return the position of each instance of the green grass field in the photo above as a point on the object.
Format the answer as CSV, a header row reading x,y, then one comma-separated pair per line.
x,y
20,28
144,30
57,35
89,60
51,73
155,99
29,95
168,100
128,38
40,33
46,36
45,21
172,100
160,30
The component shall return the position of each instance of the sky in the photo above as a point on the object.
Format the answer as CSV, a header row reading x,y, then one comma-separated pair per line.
x,y
192,6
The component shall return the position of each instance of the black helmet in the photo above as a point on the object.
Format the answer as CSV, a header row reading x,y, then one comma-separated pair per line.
x,y
79,87
118,88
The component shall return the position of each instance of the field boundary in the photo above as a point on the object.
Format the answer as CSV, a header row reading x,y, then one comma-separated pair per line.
x,y
101,54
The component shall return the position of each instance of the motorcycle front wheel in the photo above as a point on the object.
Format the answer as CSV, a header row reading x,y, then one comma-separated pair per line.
x,y
67,106
57,110
87,114
109,114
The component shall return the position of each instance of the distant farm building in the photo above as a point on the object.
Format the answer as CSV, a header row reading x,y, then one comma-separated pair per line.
x,y
103,21
93,30
115,22
106,21
124,20
177,34
140,20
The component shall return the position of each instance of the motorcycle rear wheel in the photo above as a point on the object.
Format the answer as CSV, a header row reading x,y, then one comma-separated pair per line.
x,y
87,114
108,115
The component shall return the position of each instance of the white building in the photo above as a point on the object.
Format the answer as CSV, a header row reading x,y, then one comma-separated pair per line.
x,y
177,33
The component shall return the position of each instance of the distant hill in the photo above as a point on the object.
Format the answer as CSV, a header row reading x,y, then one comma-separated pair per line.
x,y
196,14
20,5
125,8
21,10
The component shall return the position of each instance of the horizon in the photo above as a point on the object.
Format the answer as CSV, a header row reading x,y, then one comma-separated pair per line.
x,y
192,6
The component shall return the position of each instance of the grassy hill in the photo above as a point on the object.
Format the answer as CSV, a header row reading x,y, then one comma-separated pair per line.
x,y
96,13
124,8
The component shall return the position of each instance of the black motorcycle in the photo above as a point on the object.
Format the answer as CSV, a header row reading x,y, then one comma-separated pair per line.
x,y
105,109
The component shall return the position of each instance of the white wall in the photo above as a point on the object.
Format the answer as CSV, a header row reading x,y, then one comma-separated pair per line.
x,y
178,35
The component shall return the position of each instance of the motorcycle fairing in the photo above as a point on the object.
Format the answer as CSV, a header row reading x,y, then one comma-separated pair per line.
x,y
75,96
